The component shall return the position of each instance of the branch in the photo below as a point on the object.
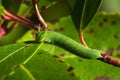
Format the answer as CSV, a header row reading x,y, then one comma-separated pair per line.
x,y
82,39
41,20
110,60
11,16
3,28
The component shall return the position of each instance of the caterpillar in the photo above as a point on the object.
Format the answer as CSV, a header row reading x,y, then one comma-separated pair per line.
x,y
67,44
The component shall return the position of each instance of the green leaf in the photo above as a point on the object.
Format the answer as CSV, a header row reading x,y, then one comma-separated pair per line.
x,y
1,9
65,26
59,9
46,64
103,33
23,72
19,30
1,12
41,64
93,69
98,35
42,3
13,55
59,64
14,35
11,5
52,9
82,12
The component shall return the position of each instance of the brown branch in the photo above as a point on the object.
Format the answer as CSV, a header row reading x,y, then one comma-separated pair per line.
x,y
3,28
110,60
82,39
11,16
12,27
16,23
41,20
2,32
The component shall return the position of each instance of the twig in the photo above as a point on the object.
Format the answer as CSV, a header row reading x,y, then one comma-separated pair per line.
x,y
12,27
4,24
11,16
41,20
110,60
3,28
82,39
16,23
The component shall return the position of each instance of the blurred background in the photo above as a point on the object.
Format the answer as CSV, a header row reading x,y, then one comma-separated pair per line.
x,y
111,6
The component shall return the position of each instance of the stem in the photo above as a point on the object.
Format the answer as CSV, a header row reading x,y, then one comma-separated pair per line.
x,y
82,39
27,72
2,60
29,58
110,60
23,20
16,23
3,28
12,27
41,20
4,24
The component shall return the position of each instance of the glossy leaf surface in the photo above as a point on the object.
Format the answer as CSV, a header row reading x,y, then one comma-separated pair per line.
x,y
82,12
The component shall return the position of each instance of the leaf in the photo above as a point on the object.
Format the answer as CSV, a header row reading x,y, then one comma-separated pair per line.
x,y
23,72
1,9
103,33
42,3
14,35
38,67
65,26
11,5
52,10
46,64
1,12
59,64
19,29
93,69
99,35
13,55
82,12
59,9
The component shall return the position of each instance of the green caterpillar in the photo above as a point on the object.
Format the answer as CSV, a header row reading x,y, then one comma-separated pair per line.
x,y
67,44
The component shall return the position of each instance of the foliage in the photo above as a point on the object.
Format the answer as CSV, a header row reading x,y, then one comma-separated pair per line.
x,y
82,12
51,62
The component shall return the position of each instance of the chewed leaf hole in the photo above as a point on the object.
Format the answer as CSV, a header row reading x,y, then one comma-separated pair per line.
x,y
62,61
118,48
105,19
100,24
59,30
70,68
56,56
90,31
113,22
115,36
71,71
54,21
